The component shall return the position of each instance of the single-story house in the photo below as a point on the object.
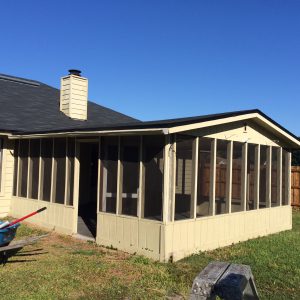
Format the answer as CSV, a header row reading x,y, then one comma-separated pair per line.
x,y
164,189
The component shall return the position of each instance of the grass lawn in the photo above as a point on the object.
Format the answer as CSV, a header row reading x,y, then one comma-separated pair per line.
x,y
60,267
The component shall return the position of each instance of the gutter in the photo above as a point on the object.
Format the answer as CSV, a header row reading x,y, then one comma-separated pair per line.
x,y
164,131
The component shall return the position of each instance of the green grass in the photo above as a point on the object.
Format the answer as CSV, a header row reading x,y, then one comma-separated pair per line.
x,y
60,267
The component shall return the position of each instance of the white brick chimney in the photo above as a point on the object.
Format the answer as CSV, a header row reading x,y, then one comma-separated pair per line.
x,y
74,95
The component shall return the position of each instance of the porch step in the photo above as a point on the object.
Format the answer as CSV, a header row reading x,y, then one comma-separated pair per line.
x,y
83,230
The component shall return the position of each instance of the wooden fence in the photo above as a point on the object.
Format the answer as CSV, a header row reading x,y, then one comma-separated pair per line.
x,y
295,186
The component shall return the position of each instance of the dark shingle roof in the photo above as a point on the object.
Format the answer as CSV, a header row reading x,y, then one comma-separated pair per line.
x,y
28,105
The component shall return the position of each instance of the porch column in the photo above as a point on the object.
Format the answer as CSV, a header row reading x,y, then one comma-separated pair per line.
x,y
279,176
244,176
256,177
269,176
212,189
76,184
288,177
166,190
229,177
194,178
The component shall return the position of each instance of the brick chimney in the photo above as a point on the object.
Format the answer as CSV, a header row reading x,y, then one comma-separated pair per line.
x,y
74,95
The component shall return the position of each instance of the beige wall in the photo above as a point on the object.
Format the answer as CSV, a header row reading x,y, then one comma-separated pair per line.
x,y
130,234
7,177
183,238
57,216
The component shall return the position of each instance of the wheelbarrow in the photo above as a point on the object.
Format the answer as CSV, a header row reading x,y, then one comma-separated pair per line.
x,y
8,247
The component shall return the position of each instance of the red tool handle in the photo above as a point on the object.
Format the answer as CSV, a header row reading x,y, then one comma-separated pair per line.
x,y
25,217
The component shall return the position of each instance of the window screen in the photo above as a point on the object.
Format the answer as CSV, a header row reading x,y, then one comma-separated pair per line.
x,y
274,177
130,156
263,177
16,155
203,184
1,162
221,176
34,169
153,162
109,173
237,161
250,196
23,171
46,168
70,170
184,177
59,174
284,177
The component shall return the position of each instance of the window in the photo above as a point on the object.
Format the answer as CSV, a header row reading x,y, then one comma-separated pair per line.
x,y
284,177
237,162
129,177
250,196
263,177
184,177
221,177
70,170
46,168
16,156
153,170
274,177
23,168
34,162
109,173
203,184
59,171
1,162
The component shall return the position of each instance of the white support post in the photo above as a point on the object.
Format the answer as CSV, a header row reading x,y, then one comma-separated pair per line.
x,y
52,185
279,176
288,177
140,204
18,170
256,177
119,180
99,175
76,183
166,197
269,177
194,178
244,177
40,171
173,182
67,187
212,189
229,176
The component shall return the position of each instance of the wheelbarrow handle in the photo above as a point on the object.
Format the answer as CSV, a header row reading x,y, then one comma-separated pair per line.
x,y
25,217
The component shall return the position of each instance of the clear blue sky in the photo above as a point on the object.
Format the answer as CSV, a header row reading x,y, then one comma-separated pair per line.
x,y
163,59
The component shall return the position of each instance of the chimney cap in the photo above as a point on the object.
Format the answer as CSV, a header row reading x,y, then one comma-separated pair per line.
x,y
74,72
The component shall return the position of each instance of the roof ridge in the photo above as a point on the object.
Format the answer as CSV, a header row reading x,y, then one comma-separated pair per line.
x,y
19,80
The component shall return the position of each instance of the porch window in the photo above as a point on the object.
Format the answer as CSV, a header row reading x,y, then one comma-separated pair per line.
x,y
23,168
153,171
284,177
250,196
274,177
1,162
203,184
237,161
221,176
263,177
59,170
16,157
109,173
184,177
46,168
70,170
129,174
34,162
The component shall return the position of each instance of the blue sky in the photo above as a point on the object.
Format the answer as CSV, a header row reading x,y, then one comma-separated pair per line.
x,y
163,59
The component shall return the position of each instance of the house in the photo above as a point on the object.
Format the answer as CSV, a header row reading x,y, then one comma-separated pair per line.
x,y
164,189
